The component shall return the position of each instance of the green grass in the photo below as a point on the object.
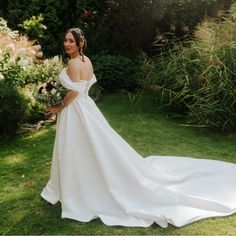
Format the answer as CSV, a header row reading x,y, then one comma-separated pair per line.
x,y
25,166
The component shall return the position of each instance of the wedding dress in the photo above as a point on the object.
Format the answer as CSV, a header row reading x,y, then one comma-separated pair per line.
x,y
95,173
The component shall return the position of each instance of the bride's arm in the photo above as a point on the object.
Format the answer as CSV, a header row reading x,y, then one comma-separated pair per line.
x,y
70,96
53,110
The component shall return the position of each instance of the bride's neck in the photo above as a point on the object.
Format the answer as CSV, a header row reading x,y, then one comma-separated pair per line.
x,y
74,55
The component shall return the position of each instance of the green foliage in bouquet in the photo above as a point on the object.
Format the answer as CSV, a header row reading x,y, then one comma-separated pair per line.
x,y
50,93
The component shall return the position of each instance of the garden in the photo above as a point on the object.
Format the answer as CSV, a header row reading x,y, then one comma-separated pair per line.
x,y
166,82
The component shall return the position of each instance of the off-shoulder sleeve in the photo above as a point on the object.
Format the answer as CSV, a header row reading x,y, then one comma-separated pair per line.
x,y
68,84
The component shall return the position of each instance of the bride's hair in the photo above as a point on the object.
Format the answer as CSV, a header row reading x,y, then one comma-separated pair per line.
x,y
79,37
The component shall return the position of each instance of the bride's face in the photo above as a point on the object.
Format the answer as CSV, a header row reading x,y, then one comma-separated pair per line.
x,y
70,44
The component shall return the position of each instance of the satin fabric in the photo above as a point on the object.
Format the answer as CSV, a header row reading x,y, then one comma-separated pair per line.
x,y
96,173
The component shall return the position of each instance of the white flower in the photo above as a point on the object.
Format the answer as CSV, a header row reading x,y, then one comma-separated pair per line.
x,y
58,94
21,52
46,62
44,85
11,61
23,62
1,76
44,91
14,34
53,91
10,47
55,60
39,54
1,57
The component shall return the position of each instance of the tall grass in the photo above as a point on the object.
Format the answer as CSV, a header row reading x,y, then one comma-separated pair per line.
x,y
199,80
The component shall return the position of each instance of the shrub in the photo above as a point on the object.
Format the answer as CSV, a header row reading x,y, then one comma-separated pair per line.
x,y
17,55
116,71
12,109
22,69
34,27
42,72
199,80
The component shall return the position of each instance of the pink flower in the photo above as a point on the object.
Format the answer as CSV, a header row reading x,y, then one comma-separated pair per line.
x,y
86,13
39,54
36,48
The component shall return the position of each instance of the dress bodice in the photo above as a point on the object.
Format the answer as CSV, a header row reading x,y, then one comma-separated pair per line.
x,y
82,86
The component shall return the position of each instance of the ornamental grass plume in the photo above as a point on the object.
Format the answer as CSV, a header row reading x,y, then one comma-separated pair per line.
x,y
13,44
19,48
198,80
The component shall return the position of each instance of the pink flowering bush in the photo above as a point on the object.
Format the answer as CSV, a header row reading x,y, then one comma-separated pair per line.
x,y
22,68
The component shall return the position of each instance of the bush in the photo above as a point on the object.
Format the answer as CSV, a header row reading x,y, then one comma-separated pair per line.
x,y
18,55
116,71
22,69
12,109
199,80
33,27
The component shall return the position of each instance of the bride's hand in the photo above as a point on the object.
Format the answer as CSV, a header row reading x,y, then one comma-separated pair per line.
x,y
52,111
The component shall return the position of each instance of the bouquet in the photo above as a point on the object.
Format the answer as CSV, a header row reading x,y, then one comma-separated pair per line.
x,y
51,93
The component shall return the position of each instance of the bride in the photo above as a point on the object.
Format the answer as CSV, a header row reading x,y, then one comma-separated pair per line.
x,y
95,173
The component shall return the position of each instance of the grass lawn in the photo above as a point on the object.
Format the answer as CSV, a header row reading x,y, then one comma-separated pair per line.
x,y
25,165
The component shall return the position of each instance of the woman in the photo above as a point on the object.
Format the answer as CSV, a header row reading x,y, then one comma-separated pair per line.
x,y
95,173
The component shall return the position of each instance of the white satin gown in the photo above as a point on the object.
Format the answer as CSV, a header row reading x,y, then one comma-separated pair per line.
x,y
95,173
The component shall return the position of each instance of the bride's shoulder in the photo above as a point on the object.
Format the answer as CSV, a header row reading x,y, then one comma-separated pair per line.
x,y
87,62
76,64
73,67
72,63
79,60
87,59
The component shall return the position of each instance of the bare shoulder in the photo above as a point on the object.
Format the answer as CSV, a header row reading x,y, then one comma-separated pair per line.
x,y
78,69
87,59
87,64
73,69
73,63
